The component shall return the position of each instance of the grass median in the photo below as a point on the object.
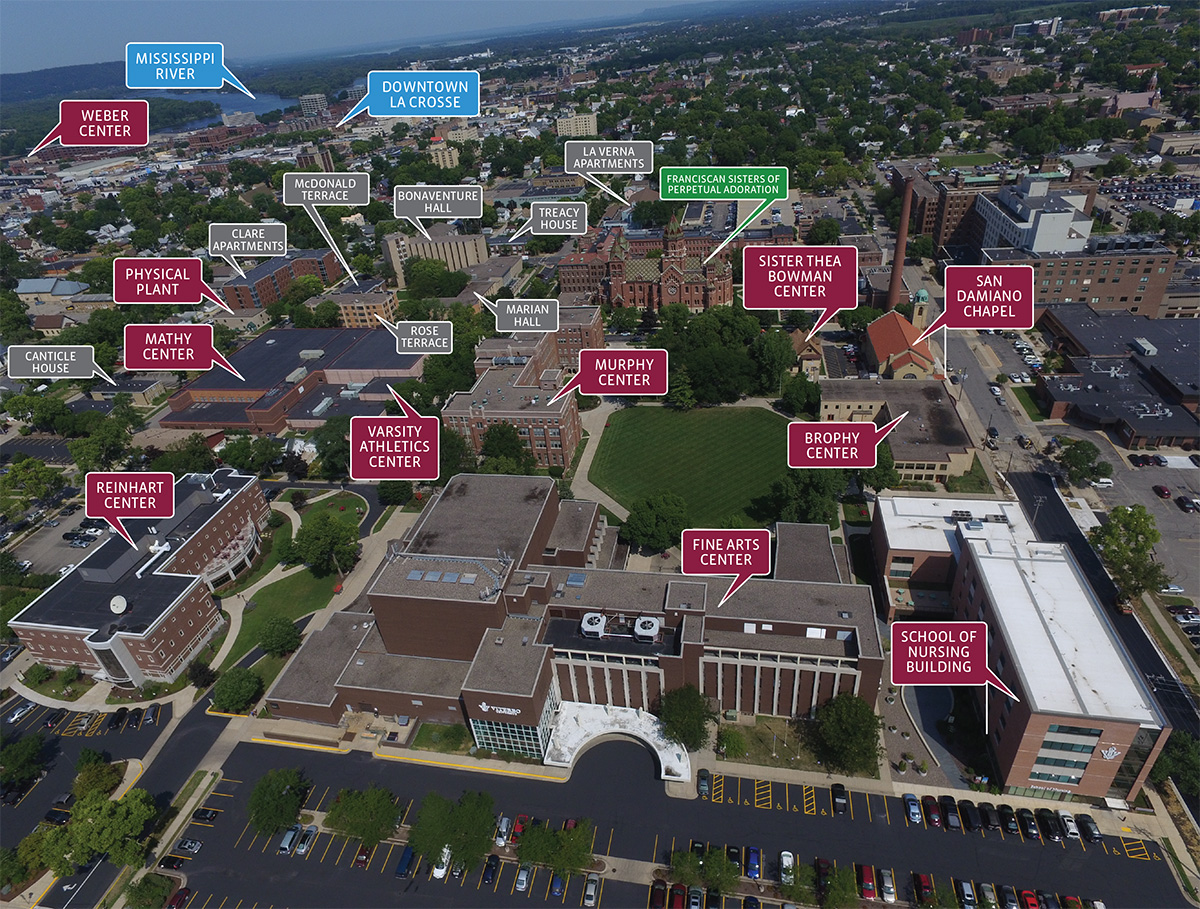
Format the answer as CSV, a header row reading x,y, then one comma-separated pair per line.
x,y
292,597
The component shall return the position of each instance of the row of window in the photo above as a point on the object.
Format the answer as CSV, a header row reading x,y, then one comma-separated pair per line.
x,y
1073,779
1068,746
1075,730
1062,762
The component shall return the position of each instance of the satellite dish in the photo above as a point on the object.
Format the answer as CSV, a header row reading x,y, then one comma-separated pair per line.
x,y
118,604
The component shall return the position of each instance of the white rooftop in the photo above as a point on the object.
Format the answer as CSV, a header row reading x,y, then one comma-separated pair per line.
x,y
576,725
928,524
1066,653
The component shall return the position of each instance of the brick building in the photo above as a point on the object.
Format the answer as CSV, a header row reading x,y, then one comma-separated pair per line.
x,y
267,283
131,616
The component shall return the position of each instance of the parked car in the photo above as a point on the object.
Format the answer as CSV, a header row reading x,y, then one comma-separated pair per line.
x,y
1008,820
840,799
1008,897
519,826
987,894
306,839
923,888
933,816
204,815
658,892
54,718
189,846
950,813
179,900
1047,900
990,816
135,718
171,862
703,781
1029,827
887,885
591,889
1088,828
787,867
117,718
362,858
490,867
1028,899
753,863
1163,492
966,894
1051,827
678,896
21,712
525,874
912,805
970,815
1067,820
866,881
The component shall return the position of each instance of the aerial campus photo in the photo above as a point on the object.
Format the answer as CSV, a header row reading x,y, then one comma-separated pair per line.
x,y
650,454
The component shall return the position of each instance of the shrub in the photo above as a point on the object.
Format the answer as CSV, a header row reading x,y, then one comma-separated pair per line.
x,y
37,674
70,675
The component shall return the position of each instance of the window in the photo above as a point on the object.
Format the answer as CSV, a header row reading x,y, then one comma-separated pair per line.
x,y
901,567
1076,730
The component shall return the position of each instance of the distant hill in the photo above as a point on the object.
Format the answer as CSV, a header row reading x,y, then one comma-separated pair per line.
x,y
63,82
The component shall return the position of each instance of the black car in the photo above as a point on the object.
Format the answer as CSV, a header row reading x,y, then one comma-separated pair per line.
x,y
991,817
172,862
135,718
152,714
840,799
55,717
971,817
1029,826
698,849
73,535
116,720
1052,827
57,817
490,867
205,815
734,854
1008,820
1088,828
950,817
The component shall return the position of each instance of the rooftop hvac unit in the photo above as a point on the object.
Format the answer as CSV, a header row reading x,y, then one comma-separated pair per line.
x,y
312,354
322,407
1144,347
960,515
592,625
646,629
296,374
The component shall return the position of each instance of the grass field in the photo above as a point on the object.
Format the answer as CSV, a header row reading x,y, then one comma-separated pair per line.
x,y
718,459
341,506
982,158
1024,394
292,597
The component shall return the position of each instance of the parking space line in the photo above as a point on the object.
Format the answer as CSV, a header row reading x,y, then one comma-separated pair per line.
x,y
762,794
311,792
206,902
1135,849
222,902
830,791
224,795
313,848
887,814
267,842
608,851
250,845
654,853
532,878
600,894
242,834
383,866
867,796
342,850
718,789
850,802
330,843
191,899
810,800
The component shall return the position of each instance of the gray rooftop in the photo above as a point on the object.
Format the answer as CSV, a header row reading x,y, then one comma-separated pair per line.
x,y
373,668
804,552
573,528
932,426
478,514
509,659
310,676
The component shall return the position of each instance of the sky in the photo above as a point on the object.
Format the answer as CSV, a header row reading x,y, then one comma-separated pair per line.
x,y
39,34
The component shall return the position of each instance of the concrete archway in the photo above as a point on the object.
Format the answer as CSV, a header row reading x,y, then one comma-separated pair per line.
x,y
580,727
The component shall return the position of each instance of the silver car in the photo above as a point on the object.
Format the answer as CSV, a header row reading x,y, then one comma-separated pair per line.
x,y
306,839
591,889
21,712
523,875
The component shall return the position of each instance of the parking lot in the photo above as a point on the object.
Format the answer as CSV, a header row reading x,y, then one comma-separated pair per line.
x,y
76,731
47,549
616,786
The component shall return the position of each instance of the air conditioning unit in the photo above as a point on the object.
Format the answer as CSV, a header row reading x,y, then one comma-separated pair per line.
x,y
592,625
646,629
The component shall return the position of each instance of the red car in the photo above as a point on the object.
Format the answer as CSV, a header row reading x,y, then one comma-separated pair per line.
x,y
1162,492
658,895
923,888
519,826
1028,899
363,858
678,896
179,900
933,814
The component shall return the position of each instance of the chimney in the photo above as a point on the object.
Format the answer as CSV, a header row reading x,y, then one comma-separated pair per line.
x,y
897,281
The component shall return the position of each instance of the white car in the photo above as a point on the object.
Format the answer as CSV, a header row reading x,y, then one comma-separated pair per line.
x,y
1015,378
443,865
887,885
994,389
66,570
591,889
21,712
1069,825
787,868
1025,377
1171,588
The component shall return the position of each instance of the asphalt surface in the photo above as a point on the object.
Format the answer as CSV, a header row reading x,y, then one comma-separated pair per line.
x,y
1054,524
63,745
616,785
46,548
51,449
172,768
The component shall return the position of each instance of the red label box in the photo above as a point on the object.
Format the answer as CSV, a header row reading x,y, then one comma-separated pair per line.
x,y
743,553
942,653
852,445
395,448
100,124
115,495
801,277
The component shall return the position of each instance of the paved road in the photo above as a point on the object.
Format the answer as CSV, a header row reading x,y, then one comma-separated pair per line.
x,y
615,785
1054,524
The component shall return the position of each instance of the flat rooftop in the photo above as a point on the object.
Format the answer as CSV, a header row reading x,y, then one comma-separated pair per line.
x,y
337,405
478,514
311,675
804,552
915,523
573,527
1063,646
498,389
81,598
509,659
465,579
273,265
932,426
1110,391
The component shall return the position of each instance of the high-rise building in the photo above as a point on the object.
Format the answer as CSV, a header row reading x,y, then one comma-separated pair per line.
x,y
315,155
443,155
312,105
576,125
239,118
456,250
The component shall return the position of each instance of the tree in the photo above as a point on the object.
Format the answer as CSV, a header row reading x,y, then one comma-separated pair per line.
x,y
921,247
325,543
432,829
807,496
23,759
395,492
465,826
774,355
299,499
149,891
38,674
190,455
845,734
88,757
368,815
100,825
236,690
538,845
657,521
574,854
279,636
276,799
685,714
623,319
503,441
12,870
96,778
333,447
69,675
720,873
200,674
1126,544
680,394
1180,760
327,313
1082,460
14,318
686,868
824,232
1144,222
858,319
801,395
884,474
841,890
730,741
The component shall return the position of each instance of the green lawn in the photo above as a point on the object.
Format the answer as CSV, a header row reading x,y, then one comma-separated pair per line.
x,y
718,459
340,506
294,596
268,558
981,158
1025,396
974,480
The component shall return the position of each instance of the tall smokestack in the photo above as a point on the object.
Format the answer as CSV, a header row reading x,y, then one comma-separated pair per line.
x,y
897,280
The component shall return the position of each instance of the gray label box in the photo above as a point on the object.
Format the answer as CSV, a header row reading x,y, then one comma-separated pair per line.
x,y
438,201
424,337
551,218
599,156
526,315
247,239
326,189
51,361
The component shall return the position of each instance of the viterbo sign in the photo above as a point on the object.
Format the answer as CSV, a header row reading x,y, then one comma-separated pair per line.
x,y
507,711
